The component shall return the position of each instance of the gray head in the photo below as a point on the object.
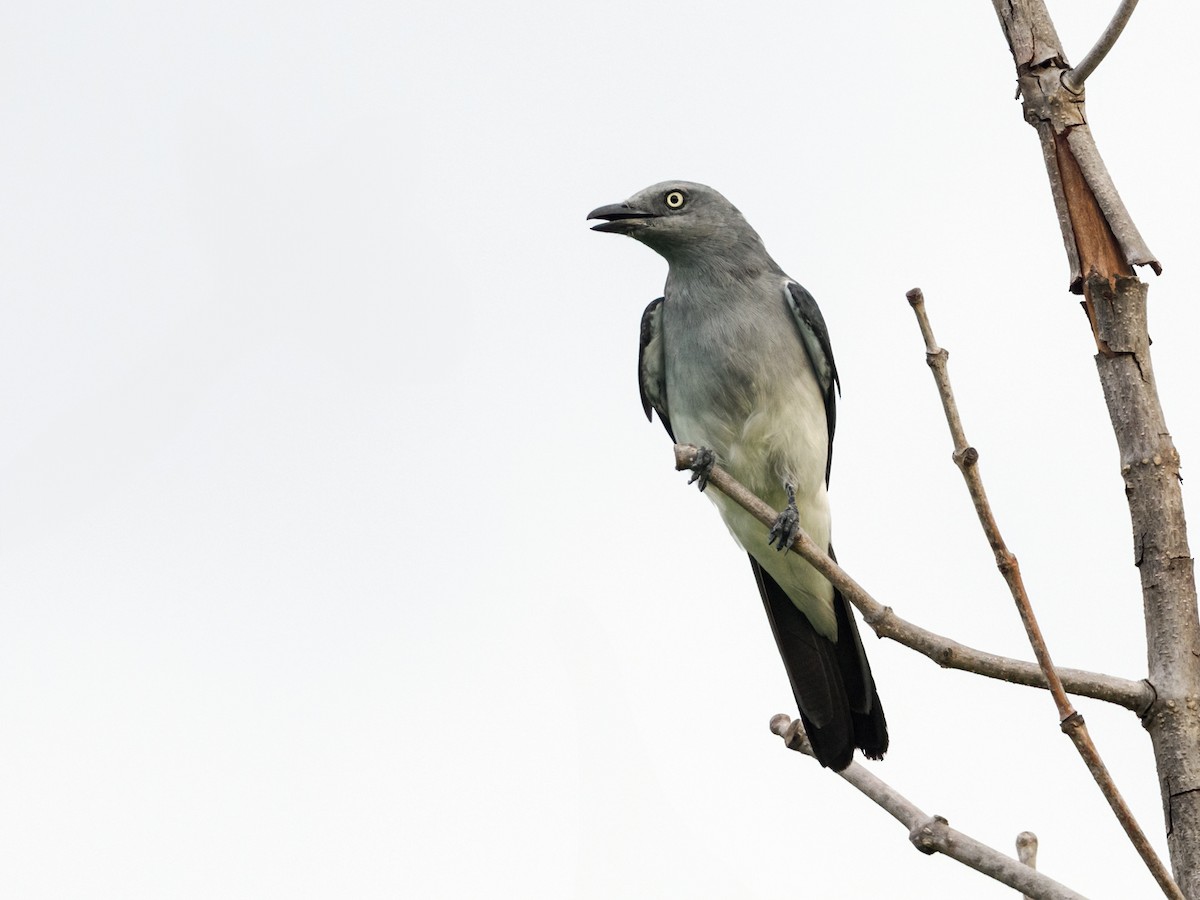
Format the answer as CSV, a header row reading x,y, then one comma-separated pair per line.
x,y
681,221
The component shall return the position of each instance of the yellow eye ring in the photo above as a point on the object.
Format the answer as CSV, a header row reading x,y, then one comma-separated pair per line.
x,y
674,199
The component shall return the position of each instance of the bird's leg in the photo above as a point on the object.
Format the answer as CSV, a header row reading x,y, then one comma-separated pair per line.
x,y
702,466
783,532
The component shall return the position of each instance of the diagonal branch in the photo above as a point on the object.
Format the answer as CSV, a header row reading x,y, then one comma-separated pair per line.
x,y
933,834
1071,722
1074,78
947,653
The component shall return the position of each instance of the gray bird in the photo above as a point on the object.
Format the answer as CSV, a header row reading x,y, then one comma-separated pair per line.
x,y
735,358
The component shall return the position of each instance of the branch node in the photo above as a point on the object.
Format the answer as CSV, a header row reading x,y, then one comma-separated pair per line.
x,y
1152,693
1007,564
1027,846
1069,83
966,457
1073,722
792,733
933,834
685,455
929,836
880,620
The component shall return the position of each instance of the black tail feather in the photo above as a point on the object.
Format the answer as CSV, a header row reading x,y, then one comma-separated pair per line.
x,y
831,681
866,712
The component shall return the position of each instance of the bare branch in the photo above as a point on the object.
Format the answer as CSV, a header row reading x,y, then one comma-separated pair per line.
x,y
1027,847
1074,78
966,458
933,834
1136,696
1090,211
947,653
1150,466
1103,245
1071,722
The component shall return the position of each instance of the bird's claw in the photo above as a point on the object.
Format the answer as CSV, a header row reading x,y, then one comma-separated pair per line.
x,y
787,525
702,466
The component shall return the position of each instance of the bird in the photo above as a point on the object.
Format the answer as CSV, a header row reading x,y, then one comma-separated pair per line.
x,y
735,358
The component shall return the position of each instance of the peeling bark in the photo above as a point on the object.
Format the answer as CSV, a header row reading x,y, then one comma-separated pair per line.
x,y
1103,247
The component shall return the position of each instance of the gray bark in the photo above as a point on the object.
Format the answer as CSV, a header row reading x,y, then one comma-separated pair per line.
x,y
947,653
1150,465
1103,245
933,834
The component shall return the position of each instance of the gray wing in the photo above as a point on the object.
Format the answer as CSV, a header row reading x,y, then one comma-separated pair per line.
x,y
652,366
815,337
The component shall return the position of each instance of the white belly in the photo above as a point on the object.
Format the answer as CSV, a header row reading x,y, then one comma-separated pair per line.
x,y
784,439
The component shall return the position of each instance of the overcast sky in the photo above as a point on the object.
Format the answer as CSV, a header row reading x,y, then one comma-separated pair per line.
x,y
336,556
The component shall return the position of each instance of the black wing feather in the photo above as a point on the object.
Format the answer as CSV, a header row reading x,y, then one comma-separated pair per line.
x,y
815,338
651,366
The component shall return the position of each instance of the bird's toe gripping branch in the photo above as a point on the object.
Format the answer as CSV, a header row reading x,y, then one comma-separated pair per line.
x,y
787,526
702,467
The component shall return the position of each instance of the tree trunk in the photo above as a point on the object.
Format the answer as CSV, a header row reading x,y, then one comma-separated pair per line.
x,y
1103,246
1150,465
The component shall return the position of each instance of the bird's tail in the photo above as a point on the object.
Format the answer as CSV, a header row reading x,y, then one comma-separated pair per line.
x,y
831,680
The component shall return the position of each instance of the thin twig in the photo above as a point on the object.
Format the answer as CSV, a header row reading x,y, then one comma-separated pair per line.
x,y
933,834
1071,722
947,653
1074,78
1027,846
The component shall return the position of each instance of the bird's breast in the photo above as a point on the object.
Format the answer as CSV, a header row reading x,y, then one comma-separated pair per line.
x,y
738,382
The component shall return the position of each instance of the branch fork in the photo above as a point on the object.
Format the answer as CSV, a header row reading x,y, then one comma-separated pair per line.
x,y
942,649
1137,696
1070,721
933,834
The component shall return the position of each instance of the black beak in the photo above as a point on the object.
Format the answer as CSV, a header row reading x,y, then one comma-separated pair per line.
x,y
619,218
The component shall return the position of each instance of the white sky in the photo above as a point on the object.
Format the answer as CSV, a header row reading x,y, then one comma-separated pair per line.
x,y
337,558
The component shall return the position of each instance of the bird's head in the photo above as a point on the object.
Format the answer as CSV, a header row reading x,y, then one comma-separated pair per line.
x,y
677,219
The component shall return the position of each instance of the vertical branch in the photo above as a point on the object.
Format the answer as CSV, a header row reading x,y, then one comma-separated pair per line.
x,y
1150,469
1106,246
1027,847
966,458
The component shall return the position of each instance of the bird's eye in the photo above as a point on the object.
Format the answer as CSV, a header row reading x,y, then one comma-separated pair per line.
x,y
675,200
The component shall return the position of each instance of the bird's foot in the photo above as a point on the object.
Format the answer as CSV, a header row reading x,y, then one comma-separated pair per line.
x,y
702,467
784,531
